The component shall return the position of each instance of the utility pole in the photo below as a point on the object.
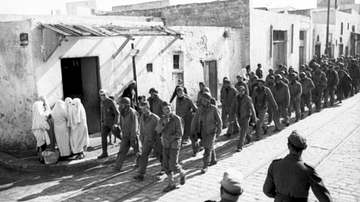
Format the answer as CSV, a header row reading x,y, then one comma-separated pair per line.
x,y
327,30
133,54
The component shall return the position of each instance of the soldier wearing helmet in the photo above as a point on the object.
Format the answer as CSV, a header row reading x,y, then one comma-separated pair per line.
x,y
155,102
171,128
320,81
307,86
243,109
130,133
227,94
185,108
148,137
282,97
332,83
109,119
207,122
262,98
295,89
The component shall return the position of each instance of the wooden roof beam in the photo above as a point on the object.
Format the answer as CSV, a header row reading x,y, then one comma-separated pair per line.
x,y
122,46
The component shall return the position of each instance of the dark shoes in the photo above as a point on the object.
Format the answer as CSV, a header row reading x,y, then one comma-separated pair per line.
x,y
213,163
103,155
248,139
139,177
80,156
169,188
116,169
182,177
204,170
161,172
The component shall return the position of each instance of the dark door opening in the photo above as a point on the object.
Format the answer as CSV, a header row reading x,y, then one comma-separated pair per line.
x,y
318,51
280,53
81,80
211,77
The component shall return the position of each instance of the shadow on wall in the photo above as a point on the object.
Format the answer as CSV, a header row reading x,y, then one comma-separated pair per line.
x,y
129,68
106,75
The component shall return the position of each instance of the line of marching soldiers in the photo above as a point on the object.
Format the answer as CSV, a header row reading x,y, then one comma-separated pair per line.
x,y
154,127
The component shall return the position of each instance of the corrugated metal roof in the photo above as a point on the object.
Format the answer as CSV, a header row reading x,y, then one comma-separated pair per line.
x,y
76,30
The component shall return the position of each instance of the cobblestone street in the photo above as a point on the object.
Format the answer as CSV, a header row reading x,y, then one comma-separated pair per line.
x,y
333,136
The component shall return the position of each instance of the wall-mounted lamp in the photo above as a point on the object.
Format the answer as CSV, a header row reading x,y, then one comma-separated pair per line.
x,y
134,52
24,39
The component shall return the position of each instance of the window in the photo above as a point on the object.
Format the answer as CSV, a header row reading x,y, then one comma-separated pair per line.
x,y
176,61
353,28
149,67
302,35
341,29
341,49
279,35
348,26
340,39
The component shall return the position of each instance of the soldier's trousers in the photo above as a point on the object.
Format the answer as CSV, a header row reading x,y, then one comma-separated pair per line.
x,y
270,113
144,158
171,160
294,105
233,126
355,86
208,141
329,92
318,95
260,124
105,130
125,145
305,100
282,110
244,125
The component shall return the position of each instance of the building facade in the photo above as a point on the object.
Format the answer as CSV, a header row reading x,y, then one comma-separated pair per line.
x,y
61,61
343,32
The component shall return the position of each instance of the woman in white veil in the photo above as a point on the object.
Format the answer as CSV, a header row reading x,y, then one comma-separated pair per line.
x,y
40,127
60,117
79,135
47,111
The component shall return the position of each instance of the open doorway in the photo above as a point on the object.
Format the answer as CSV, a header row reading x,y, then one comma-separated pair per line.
x,y
211,77
280,48
81,79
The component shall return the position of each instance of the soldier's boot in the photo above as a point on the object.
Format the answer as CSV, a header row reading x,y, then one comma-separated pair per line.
x,y
171,185
182,177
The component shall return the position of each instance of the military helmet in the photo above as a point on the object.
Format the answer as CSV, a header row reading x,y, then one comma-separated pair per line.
x,y
278,76
125,101
206,96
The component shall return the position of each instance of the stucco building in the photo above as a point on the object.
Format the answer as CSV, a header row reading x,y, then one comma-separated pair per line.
x,y
76,56
344,32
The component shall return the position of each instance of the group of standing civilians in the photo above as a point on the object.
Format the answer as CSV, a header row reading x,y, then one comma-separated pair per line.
x,y
65,124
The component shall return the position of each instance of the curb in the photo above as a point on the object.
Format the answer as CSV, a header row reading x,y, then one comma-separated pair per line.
x,y
13,163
